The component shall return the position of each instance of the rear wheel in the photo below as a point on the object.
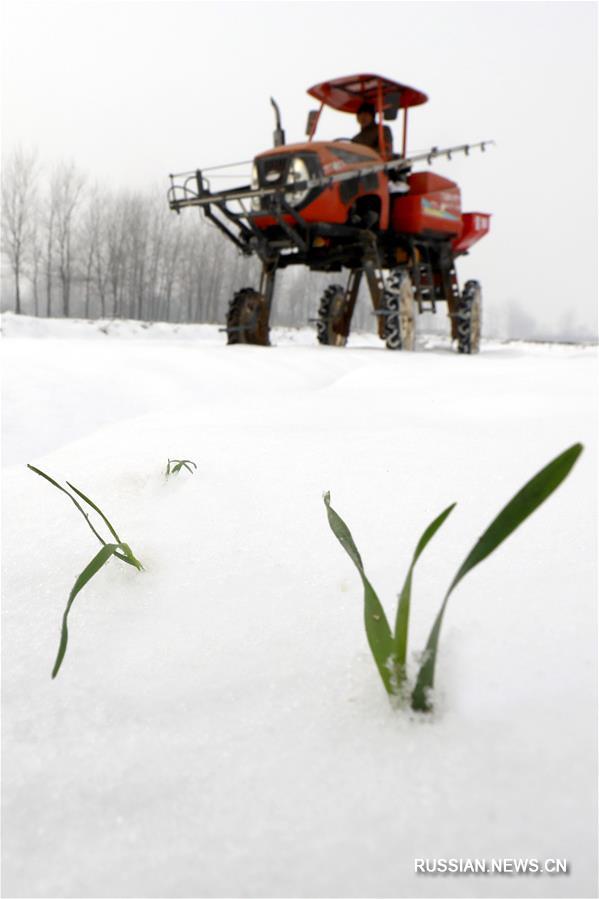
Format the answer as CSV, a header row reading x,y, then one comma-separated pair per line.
x,y
400,308
468,316
247,318
331,325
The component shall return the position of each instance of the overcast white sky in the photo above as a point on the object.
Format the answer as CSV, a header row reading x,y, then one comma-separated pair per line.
x,y
134,90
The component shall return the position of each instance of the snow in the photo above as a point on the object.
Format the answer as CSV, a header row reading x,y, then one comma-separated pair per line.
x,y
218,727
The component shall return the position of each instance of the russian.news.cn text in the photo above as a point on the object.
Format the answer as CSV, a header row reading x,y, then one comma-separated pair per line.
x,y
491,866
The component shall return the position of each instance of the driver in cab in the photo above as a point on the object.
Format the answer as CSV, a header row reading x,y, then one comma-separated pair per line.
x,y
369,134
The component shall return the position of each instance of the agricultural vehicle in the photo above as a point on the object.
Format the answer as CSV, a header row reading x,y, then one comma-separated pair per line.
x,y
338,205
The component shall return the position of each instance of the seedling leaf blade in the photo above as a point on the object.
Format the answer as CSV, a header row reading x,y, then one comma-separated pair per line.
x,y
431,530
377,627
174,466
72,498
88,572
97,509
523,504
402,620
343,534
129,557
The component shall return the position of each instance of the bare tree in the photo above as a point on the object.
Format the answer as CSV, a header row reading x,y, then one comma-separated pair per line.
x,y
115,251
48,221
101,252
88,239
168,272
191,269
124,254
139,214
36,260
66,191
92,239
158,238
19,175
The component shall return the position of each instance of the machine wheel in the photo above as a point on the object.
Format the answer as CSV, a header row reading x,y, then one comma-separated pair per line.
x,y
400,323
468,315
332,316
247,318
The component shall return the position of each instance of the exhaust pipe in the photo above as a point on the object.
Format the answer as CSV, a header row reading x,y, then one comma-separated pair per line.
x,y
278,134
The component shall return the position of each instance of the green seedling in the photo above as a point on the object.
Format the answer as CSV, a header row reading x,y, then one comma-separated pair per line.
x,y
389,648
118,549
174,466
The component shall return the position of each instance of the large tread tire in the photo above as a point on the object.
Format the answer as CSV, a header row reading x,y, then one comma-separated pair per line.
x,y
247,319
332,317
469,318
400,322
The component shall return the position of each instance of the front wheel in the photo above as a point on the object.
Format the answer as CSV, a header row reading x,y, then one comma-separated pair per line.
x,y
331,324
469,319
247,318
400,312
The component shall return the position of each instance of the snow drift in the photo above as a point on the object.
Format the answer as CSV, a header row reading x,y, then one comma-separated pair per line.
x,y
217,727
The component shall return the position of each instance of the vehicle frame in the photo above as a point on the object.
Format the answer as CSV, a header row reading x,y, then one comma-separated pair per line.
x,y
338,205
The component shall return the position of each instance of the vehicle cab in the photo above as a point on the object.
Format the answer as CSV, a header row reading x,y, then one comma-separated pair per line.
x,y
364,199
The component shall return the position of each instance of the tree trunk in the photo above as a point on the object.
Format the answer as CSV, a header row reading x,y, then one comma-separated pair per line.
x,y
49,269
18,290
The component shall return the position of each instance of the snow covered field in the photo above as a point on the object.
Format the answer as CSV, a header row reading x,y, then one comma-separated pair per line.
x,y
218,727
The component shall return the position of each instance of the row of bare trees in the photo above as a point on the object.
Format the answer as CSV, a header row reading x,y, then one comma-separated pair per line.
x,y
73,248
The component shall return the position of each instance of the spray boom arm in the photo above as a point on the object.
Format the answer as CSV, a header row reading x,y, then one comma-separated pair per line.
x,y
181,194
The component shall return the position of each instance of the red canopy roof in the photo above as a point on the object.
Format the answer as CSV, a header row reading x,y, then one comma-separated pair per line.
x,y
348,93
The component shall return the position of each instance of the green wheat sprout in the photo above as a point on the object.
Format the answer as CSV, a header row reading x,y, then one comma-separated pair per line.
x,y
118,549
389,648
174,466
